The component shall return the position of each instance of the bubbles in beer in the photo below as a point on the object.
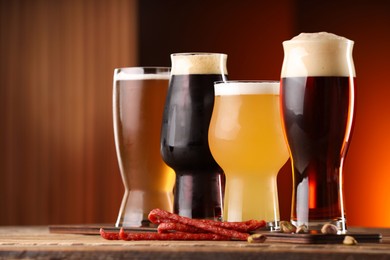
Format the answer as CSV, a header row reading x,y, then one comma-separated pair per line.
x,y
318,54
246,88
199,63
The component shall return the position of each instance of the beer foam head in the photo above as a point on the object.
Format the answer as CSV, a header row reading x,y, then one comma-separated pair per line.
x,y
320,36
225,88
318,54
141,73
198,63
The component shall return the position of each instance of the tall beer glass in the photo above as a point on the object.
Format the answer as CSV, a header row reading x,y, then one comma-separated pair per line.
x,y
184,136
246,140
138,103
318,104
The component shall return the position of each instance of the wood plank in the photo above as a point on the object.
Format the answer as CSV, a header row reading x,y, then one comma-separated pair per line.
x,y
322,238
313,238
38,242
93,229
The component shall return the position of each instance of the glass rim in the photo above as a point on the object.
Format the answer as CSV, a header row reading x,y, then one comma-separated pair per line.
x,y
197,53
144,68
310,41
142,73
246,87
247,81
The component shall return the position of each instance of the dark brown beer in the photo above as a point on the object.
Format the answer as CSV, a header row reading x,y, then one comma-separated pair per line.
x,y
184,135
316,130
317,106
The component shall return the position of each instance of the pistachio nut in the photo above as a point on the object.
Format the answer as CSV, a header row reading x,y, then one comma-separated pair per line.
x,y
349,240
287,227
302,229
257,238
329,229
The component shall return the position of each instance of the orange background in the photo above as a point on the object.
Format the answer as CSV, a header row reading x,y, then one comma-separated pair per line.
x,y
57,156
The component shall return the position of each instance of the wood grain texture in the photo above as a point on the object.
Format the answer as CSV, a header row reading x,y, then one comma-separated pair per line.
x,y
57,156
37,242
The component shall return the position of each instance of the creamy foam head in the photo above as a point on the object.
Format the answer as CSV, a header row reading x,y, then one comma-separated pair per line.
x,y
142,73
318,54
246,88
320,36
198,63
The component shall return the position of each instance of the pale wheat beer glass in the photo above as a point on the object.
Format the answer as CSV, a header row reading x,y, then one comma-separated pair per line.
x,y
318,103
246,140
138,103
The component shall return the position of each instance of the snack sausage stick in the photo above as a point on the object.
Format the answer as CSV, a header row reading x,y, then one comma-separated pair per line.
x,y
170,236
188,229
245,226
177,227
109,235
158,216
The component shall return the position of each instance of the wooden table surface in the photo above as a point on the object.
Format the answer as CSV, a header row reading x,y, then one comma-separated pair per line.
x,y
37,242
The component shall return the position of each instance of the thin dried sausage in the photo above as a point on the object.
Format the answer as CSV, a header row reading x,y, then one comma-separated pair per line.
x,y
109,235
170,236
175,227
158,216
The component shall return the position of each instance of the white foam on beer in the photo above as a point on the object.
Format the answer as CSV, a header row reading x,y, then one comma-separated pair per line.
x,y
138,74
318,54
198,63
320,36
246,88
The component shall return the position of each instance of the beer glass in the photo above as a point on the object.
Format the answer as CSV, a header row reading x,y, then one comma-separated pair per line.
x,y
318,104
138,103
246,140
184,137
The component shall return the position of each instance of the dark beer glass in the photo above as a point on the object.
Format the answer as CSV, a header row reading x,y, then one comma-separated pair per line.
x,y
184,136
318,103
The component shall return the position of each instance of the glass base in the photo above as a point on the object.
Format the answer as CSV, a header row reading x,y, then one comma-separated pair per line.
x,y
199,194
137,204
143,223
273,226
318,224
132,218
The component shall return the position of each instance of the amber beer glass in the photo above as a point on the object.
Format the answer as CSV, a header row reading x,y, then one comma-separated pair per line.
x,y
138,103
318,104
246,140
184,137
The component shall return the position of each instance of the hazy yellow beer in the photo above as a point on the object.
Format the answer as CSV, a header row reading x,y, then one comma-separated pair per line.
x,y
246,140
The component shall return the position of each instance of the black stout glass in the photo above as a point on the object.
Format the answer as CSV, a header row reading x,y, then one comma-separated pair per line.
x,y
200,180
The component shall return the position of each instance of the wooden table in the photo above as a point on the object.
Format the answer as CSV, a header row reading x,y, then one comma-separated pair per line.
x,y
38,242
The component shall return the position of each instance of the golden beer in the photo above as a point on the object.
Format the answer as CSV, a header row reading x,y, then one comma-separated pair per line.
x,y
138,103
246,140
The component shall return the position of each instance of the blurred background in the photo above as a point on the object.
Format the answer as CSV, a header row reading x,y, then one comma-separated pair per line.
x,y
57,156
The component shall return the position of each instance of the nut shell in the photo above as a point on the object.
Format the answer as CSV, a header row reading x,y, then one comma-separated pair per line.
x,y
257,238
349,240
302,229
287,227
329,229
